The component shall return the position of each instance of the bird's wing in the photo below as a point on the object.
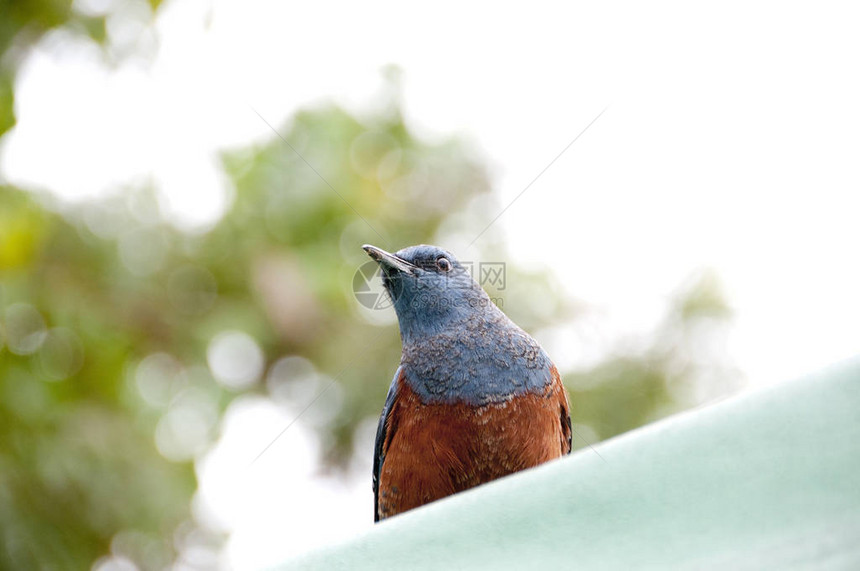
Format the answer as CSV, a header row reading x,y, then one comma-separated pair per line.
x,y
382,438
564,412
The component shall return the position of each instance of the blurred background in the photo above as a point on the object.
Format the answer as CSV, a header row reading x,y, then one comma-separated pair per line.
x,y
187,379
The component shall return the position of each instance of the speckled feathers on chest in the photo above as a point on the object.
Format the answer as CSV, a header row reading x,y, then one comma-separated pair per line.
x,y
479,362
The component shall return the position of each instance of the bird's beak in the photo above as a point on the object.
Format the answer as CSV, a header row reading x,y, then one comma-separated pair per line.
x,y
388,261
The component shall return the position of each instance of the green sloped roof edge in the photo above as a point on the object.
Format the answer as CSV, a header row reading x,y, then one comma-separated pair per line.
x,y
766,480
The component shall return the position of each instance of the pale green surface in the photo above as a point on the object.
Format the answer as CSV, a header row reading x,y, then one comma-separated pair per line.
x,y
768,480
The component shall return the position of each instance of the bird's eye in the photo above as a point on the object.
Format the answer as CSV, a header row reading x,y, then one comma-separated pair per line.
x,y
443,264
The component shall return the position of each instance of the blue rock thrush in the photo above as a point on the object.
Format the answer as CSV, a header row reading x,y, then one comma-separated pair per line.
x,y
475,397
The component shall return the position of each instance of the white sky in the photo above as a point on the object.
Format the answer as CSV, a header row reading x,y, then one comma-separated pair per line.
x,y
731,141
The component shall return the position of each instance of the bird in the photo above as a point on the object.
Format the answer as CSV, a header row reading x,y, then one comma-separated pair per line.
x,y
474,398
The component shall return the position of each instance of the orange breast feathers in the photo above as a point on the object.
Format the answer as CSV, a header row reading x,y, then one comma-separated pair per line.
x,y
435,450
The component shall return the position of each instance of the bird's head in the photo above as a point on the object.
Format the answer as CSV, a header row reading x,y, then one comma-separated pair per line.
x,y
429,287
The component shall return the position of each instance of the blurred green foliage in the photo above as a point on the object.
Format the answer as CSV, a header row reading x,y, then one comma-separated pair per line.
x,y
77,458
108,315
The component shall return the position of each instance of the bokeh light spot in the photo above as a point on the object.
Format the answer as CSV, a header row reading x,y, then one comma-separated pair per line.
x,y
104,219
294,383
114,563
158,377
62,354
292,379
185,429
142,251
147,549
235,359
25,329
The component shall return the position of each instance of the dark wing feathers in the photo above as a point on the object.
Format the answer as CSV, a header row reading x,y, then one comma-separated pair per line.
x,y
381,433
564,414
567,431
